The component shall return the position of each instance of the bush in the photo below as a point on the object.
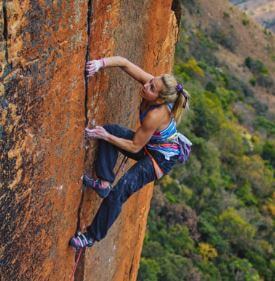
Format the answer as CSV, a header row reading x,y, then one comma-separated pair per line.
x,y
260,262
226,97
208,115
255,66
210,87
207,251
245,20
179,240
226,15
152,250
246,195
262,123
191,68
252,169
174,191
261,108
265,81
262,77
236,229
230,142
268,152
210,271
207,226
202,49
253,81
191,5
223,37
148,270
175,268
241,269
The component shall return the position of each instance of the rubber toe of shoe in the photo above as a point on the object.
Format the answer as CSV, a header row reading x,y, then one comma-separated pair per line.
x,y
73,244
87,181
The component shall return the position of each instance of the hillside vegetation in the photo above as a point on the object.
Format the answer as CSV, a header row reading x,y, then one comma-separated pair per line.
x,y
213,219
262,11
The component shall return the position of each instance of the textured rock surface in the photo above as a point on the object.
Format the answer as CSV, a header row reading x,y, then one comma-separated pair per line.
x,y
45,103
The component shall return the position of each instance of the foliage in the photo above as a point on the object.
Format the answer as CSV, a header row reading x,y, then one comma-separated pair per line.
x,y
235,229
191,5
208,115
213,218
191,68
226,38
263,123
245,21
255,66
260,71
149,270
268,152
207,251
241,269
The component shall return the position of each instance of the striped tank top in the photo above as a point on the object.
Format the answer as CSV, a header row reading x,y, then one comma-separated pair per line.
x,y
164,141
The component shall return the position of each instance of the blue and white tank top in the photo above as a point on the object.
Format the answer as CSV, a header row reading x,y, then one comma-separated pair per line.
x,y
164,141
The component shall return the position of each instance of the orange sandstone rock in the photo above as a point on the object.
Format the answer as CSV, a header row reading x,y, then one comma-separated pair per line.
x,y
45,103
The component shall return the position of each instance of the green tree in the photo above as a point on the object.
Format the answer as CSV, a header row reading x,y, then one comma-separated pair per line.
x,y
236,229
148,270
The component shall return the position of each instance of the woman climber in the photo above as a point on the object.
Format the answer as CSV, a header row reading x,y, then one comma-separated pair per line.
x,y
155,145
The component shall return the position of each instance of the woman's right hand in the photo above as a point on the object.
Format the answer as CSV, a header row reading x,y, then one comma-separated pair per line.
x,y
98,132
94,66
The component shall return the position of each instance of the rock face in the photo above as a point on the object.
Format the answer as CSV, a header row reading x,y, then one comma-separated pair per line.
x,y
45,104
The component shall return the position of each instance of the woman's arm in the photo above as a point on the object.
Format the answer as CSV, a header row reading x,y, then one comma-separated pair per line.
x,y
130,68
143,134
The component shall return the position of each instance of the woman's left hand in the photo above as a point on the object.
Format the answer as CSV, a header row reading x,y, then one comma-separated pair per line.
x,y
98,132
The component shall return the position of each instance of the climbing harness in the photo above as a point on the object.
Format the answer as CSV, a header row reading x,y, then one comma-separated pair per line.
x,y
158,171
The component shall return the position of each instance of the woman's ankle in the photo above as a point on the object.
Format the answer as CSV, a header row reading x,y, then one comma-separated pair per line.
x,y
104,183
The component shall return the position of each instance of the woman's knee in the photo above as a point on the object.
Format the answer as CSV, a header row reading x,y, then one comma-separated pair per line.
x,y
111,128
114,197
119,131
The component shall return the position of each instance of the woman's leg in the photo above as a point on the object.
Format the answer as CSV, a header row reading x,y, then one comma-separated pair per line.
x,y
137,176
108,153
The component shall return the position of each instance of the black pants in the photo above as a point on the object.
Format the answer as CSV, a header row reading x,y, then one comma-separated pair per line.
x,y
136,177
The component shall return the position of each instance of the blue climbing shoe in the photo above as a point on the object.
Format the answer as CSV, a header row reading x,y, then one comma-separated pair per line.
x,y
81,241
96,186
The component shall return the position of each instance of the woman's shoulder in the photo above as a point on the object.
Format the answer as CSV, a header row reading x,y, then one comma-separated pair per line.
x,y
161,112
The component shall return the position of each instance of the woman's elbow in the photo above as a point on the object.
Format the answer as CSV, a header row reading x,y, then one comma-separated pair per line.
x,y
124,62
136,148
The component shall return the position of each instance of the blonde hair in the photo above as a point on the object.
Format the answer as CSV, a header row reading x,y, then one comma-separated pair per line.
x,y
170,94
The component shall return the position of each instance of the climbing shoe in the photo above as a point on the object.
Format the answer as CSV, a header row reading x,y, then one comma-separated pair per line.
x,y
81,241
96,186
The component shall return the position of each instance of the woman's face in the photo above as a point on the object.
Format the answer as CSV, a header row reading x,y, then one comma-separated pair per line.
x,y
151,89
